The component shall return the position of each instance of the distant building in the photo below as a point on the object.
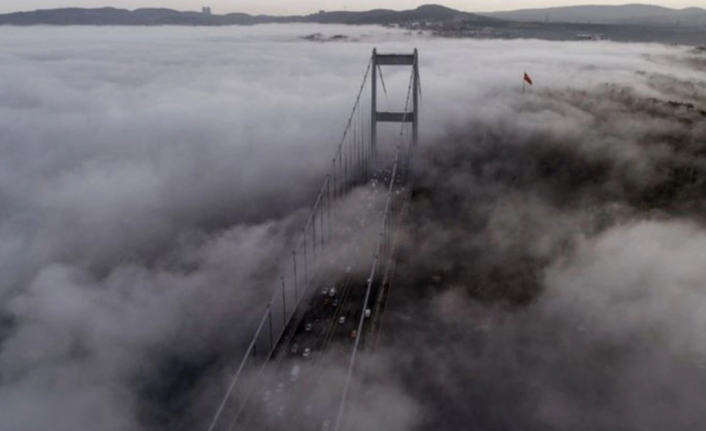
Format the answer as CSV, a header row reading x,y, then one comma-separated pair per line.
x,y
588,37
206,10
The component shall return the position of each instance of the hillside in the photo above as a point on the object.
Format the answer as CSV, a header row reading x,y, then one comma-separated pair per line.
x,y
114,16
386,16
625,14
645,23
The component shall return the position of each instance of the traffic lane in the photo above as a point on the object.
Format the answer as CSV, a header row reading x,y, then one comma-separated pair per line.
x,y
341,303
300,344
310,328
308,407
302,408
348,323
310,335
342,337
316,324
318,320
300,370
316,308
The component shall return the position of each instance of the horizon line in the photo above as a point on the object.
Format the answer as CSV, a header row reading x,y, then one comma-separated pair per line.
x,y
351,11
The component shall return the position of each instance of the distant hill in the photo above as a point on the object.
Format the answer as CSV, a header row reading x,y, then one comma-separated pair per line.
x,y
640,14
386,16
113,16
645,23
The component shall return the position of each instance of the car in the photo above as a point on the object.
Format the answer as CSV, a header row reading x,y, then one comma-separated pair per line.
x,y
308,327
325,425
332,292
342,320
367,313
266,396
308,410
306,353
295,348
335,303
324,292
280,412
280,387
294,375
354,333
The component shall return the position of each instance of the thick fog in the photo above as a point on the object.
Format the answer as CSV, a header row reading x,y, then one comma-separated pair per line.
x,y
153,180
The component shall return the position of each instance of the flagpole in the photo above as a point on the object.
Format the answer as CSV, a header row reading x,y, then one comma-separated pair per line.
x,y
523,83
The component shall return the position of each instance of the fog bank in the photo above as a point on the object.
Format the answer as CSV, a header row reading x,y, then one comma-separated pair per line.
x,y
153,179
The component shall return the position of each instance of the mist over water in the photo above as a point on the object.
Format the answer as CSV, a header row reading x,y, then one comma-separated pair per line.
x,y
153,180
557,276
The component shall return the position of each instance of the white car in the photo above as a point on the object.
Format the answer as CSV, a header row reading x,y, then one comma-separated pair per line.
x,y
306,353
367,313
342,320
294,375
308,327
332,292
295,348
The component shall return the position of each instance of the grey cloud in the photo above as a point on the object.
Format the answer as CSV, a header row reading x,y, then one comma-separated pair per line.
x,y
153,180
555,241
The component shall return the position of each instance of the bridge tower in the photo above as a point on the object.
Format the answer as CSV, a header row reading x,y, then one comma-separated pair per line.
x,y
395,117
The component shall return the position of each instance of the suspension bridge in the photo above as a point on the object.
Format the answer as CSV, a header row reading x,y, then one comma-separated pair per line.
x,y
328,302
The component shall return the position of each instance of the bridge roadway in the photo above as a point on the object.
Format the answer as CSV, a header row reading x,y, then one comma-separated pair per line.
x,y
291,400
302,384
299,395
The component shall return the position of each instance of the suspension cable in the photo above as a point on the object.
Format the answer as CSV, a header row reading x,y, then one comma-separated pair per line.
x,y
376,261
302,239
384,88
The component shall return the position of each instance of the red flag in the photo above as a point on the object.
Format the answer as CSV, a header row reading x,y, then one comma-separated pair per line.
x,y
528,79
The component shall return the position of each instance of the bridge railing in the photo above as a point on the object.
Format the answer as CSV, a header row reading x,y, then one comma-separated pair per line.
x,y
382,258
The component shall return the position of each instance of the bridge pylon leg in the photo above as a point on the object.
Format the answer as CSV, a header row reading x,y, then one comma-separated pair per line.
x,y
377,61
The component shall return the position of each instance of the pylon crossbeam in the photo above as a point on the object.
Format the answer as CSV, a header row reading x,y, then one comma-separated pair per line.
x,y
395,59
395,117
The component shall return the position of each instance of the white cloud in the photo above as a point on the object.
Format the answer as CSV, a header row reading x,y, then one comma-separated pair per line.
x,y
153,177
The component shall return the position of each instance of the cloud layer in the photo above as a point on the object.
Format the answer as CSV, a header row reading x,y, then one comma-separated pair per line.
x,y
553,278
153,179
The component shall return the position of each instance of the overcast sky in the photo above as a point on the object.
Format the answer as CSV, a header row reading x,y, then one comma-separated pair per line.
x,y
307,6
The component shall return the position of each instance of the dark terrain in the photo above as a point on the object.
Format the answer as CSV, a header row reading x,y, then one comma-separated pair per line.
x,y
631,23
113,16
636,14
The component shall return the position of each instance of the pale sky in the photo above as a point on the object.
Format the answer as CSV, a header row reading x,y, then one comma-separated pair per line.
x,y
286,7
